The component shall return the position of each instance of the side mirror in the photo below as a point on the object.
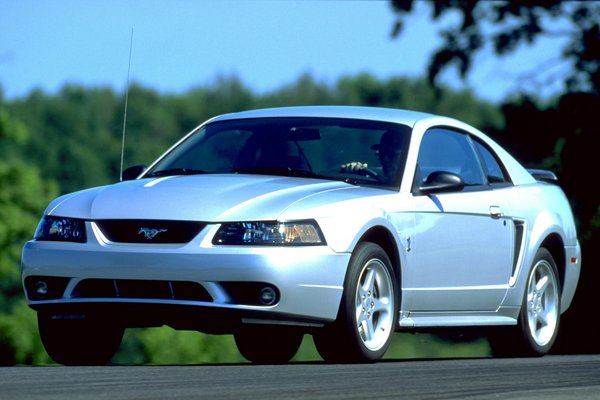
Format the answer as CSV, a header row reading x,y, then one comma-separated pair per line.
x,y
132,173
442,181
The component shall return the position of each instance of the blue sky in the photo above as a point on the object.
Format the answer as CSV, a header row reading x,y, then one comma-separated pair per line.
x,y
180,44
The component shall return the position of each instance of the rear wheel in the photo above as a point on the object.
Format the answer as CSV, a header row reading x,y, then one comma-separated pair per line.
x,y
268,344
89,341
367,317
539,318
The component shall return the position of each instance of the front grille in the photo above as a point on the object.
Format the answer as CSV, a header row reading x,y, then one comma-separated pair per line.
x,y
141,289
149,231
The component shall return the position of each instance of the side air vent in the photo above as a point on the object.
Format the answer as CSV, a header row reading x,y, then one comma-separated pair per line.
x,y
149,231
519,240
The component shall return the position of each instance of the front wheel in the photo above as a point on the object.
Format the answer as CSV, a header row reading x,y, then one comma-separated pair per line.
x,y
89,341
367,317
539,318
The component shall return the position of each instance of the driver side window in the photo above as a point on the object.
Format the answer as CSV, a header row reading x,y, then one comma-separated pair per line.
x,y
449,151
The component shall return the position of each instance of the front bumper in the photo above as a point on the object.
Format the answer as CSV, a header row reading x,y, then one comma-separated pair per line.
x,y
308,281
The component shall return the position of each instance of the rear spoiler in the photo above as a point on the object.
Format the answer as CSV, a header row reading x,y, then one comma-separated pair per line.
x,y
544,175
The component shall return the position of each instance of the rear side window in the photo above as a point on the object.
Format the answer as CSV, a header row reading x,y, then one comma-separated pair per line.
x,y
492,167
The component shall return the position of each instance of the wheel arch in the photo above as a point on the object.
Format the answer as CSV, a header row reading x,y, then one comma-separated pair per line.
x,y
384,238
342,340
555,245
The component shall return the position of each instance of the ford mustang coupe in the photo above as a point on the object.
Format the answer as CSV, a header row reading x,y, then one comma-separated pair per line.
x,y
346,223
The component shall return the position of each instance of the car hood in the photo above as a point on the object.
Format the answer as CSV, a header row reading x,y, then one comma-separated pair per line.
x,y
217,198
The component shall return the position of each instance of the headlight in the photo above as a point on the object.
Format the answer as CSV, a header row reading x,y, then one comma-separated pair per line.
x,y
302,233
61,229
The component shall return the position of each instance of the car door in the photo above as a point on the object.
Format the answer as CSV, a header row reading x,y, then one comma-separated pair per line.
x,y
463,238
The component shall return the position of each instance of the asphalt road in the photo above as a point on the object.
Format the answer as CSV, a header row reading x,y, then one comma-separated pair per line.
x,y
548,378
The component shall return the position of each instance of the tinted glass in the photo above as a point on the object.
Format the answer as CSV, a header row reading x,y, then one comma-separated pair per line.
x,y
493,169
353,150
450,151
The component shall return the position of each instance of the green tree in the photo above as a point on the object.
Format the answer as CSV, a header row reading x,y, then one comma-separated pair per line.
x,y
74,135
505,25
23,197
303,91
418,94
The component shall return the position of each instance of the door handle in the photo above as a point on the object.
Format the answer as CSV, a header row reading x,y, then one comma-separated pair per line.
x,y
495,211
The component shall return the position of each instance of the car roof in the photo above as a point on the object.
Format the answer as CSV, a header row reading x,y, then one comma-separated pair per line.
x,y
406,117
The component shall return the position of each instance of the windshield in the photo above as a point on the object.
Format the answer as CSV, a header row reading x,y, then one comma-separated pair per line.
x,y
355,151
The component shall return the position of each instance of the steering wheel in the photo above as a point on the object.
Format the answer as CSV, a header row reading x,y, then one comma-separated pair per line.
x,y
358,168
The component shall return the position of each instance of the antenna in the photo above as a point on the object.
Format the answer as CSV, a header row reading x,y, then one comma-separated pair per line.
x,y
126,101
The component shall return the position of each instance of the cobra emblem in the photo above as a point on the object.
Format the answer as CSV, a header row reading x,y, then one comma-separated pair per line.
x,y
150,233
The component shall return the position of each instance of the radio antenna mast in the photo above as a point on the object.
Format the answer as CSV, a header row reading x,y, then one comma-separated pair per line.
x,y
126,101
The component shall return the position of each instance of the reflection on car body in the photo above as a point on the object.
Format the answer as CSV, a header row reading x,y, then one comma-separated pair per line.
x,y
254,224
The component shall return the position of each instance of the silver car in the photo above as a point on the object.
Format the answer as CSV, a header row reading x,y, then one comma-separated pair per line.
x,y
346,223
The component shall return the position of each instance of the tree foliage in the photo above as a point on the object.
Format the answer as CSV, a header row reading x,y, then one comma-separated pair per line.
x,y
506,25
23,196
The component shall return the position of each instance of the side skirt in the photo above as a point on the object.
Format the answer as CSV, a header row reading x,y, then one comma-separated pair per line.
x,y
503,316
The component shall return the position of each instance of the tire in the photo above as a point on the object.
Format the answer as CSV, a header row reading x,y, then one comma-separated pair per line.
x,y
539,318
367,317
87,341
268,344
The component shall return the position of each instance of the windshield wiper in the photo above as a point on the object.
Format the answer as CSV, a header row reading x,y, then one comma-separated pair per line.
x,y
175,171
280,171
296,173
284,171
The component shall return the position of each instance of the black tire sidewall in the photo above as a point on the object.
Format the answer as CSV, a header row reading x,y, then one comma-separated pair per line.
x,y
356,350
268,344
91,341
531,346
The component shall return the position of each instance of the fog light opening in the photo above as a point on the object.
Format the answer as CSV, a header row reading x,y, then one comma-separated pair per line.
x,y
41,289
267,296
